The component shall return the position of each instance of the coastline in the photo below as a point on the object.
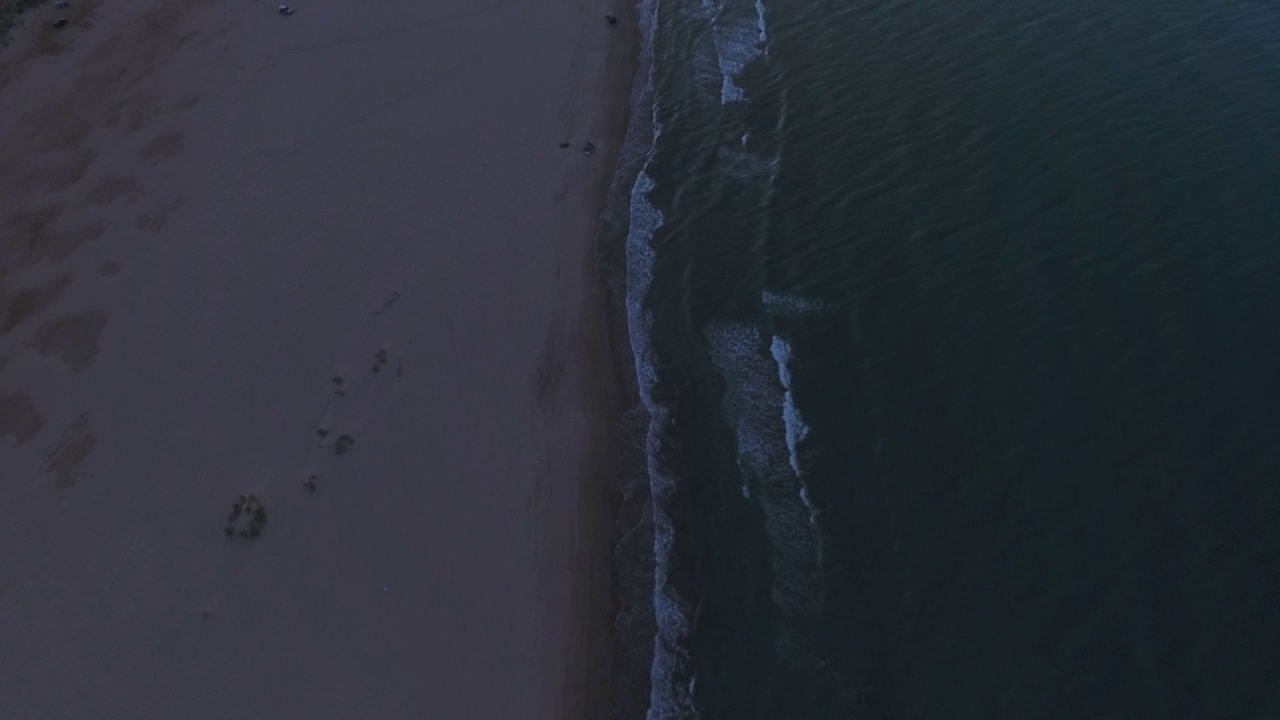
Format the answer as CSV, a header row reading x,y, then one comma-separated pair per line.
x,y
209,214
591,664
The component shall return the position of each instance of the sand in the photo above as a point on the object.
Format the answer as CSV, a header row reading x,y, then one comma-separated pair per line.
x,y
209,212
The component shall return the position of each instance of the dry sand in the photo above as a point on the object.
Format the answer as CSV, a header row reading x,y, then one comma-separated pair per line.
x,y
205,210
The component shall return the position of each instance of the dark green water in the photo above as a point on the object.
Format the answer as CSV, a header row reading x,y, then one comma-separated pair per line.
x,y
958,327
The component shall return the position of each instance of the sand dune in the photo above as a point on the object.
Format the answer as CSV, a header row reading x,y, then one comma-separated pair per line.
x,y
208,214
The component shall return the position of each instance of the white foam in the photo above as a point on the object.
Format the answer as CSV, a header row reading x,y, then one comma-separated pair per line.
x,y
741,36
748,166
669,699
781,351
796,428
737,45
737,351
738,39
753,406
785,305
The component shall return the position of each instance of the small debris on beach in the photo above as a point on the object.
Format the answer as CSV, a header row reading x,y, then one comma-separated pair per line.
x,y
310,484
60,22
285,10
322,431
588,148
564,145
379,359
248,517
611,18
343,444
388,301
337,387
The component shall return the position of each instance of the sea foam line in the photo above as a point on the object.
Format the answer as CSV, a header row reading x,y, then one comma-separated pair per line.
x,y
797,588
796,428
671,697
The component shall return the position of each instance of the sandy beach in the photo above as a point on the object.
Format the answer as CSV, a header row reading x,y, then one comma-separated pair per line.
x,y
239,250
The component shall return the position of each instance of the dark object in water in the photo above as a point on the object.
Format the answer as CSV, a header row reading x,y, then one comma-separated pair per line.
x,y
285,10
588,149
564,145
60,22
613,19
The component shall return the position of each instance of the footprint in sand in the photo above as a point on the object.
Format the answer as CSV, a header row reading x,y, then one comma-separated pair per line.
x,y
247,519
359,384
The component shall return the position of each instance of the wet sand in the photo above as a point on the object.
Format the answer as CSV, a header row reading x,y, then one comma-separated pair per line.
x,y
208,214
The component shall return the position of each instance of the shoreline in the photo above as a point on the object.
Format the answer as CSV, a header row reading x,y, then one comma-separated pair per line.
x,y
592,667
634,625
208,247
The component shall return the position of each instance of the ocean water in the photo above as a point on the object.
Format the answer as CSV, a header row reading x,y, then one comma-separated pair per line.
x,y
955,332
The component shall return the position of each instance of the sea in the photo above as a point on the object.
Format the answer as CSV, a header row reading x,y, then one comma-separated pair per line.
x,y
953,335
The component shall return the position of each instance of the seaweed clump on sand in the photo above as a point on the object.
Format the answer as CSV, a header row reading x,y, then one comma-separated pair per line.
x,y
247,519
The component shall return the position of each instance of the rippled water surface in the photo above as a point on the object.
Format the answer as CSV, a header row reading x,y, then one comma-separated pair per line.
x,y
958,331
